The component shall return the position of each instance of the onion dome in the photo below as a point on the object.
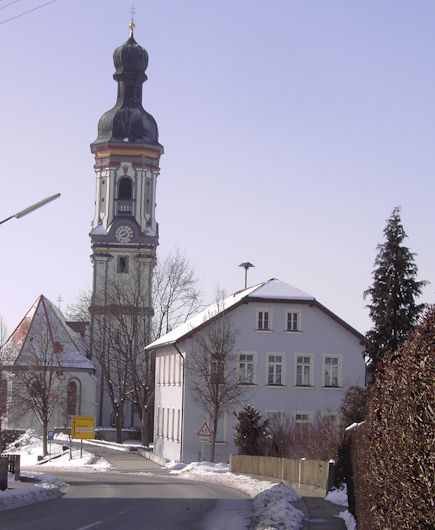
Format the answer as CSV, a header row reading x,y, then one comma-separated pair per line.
x,y
127,121
130,59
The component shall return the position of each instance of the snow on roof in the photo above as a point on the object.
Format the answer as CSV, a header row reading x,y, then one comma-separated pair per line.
x,y
200,318
43,331
272,289
278,290
99,230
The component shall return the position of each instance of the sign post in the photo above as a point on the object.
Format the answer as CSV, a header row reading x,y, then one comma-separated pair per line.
x,y
82,427
50,437
204,436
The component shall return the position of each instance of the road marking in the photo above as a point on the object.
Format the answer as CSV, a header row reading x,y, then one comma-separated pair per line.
x,y
90,525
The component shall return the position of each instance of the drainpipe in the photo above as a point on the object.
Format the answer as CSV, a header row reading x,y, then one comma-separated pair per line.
x,y
182,401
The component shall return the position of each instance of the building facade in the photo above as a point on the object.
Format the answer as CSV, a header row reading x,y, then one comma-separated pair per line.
x,y
124,233
293,356
45,366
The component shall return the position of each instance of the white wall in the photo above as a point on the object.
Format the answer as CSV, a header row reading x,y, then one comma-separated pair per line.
x,y
88,406
320,334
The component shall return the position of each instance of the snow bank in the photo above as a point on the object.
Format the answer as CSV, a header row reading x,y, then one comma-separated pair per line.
x,y
29,446
348,519
272,508
47,487
338,496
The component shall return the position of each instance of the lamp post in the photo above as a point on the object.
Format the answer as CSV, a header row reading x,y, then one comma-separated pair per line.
x,y
246,265
31,208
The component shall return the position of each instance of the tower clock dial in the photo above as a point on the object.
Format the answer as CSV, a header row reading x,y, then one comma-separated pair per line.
x,y
124,234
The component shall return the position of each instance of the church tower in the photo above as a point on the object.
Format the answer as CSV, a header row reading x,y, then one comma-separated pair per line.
x,y
124,233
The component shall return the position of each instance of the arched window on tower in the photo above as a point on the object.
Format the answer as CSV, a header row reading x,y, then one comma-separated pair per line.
x,y
125,196
73,398
125,188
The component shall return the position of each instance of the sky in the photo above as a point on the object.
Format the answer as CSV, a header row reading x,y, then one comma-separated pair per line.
x,y
291,130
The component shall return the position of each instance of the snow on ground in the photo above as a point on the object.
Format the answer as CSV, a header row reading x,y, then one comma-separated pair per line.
x,y
46,487
29,446
272,508
339,496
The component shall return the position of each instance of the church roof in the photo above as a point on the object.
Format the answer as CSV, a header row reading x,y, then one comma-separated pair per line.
x,y
128,121
43,336
271,290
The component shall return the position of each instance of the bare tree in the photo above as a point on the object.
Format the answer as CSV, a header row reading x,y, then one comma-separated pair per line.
x,y
121,330
318,439
215,383
3,332
176,295
3,382
37,379
78,311
124,326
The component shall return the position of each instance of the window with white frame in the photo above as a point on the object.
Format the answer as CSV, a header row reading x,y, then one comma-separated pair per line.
x,y
178,424
157,427
247,371
180,369
158,370
304,369
264,320
293,322
275,369
275,416
332,371
217,370
174,369
330,417
302,418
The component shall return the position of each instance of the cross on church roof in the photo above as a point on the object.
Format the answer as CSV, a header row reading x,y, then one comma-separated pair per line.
x,y
133,12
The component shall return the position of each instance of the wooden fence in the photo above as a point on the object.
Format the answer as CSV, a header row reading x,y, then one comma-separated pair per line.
x,y
298,472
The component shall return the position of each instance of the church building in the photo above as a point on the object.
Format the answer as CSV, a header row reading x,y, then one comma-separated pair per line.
x,y
124,236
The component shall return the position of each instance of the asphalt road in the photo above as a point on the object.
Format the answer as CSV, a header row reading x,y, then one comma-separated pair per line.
x,y
137,496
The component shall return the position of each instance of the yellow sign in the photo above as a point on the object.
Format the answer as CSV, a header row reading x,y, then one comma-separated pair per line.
x,y
83,427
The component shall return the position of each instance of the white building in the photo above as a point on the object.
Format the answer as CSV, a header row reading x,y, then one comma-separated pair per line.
x,y
295,356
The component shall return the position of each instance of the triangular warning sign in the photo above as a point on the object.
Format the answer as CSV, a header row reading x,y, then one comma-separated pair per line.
x,y
204,430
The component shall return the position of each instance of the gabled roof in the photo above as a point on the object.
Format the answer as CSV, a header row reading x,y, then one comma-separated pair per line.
x,y
272,291
43,331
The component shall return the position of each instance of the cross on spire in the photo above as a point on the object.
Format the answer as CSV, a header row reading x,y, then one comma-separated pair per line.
x,y
133,12
59,301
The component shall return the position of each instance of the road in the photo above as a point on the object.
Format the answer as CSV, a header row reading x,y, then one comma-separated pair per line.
x,y
139,495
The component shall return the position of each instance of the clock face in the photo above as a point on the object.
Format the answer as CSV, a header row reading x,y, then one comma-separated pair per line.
x,y
124,234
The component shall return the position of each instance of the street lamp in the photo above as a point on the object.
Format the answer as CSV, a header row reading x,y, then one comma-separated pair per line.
x,y
31,208
246,265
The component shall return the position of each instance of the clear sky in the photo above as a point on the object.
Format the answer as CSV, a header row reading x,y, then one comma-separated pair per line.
x,y
291,130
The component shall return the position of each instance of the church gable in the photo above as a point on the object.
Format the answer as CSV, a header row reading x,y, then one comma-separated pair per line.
x,y
43,337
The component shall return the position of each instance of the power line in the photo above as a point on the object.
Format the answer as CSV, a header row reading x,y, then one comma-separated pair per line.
x,y
28,11
11,3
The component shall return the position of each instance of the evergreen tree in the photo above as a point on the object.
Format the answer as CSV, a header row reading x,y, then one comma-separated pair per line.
x,y
250,432
393,308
